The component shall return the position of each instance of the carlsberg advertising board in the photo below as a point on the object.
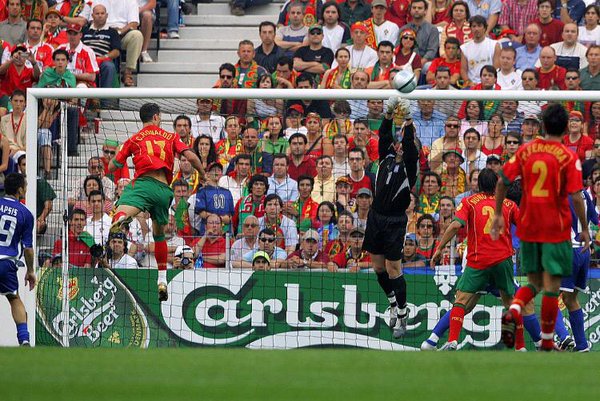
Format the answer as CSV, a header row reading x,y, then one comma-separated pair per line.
x,y
271,310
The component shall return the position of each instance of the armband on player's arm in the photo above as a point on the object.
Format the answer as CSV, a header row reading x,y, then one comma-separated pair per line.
x,y
114,165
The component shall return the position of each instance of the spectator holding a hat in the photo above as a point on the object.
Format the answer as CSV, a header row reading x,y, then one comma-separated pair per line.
x,y
494,163
353,257
308,256
109,150
454,178
575,140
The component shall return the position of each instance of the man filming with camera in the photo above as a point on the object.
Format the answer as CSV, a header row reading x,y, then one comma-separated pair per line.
x,y
115,255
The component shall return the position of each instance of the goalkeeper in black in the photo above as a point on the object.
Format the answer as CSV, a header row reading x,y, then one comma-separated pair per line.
x,y
386,222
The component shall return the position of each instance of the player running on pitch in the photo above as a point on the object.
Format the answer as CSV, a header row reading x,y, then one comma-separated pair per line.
x,y
550,172
153,150
386,222
488,261
16,240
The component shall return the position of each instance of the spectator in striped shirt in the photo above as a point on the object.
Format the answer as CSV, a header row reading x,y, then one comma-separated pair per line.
x,y
106,44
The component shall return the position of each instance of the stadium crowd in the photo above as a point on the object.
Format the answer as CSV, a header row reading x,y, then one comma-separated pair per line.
x,y
289,184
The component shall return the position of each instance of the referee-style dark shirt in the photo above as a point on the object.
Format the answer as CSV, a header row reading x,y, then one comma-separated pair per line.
x,y
102,40
395,179
268,61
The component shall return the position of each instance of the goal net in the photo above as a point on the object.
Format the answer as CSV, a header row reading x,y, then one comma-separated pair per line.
x,y
317,151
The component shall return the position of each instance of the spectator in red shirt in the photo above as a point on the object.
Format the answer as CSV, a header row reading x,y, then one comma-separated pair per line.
x,y
79,251
450,59
53,34
300,164
575,140
353,258
41,51
551,75
459,27
15,74
359,178
212,244
399,12
551,27
82,61
308,256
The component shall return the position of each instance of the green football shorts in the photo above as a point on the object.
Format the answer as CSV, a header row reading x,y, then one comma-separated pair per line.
x,y
499,275
555,258
149,194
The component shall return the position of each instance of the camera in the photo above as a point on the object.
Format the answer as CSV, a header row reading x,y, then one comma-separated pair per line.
x,y
97,251
185,261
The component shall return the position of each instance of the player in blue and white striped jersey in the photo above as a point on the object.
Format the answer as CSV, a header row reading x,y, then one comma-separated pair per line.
x,y
16,240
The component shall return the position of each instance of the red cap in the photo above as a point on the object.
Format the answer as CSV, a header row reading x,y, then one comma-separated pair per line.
x,y
297,107
575,114
360,26
74,27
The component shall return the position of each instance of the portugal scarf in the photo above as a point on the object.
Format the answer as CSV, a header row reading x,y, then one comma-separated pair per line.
x,y
371,37
250,76
344,79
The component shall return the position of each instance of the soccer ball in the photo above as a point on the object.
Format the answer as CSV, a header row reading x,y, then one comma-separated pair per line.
x,y
404,81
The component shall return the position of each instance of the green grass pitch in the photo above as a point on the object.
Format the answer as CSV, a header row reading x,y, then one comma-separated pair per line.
x,y
310,374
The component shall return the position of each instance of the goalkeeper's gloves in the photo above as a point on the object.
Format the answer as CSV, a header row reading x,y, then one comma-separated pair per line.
x,y
396,103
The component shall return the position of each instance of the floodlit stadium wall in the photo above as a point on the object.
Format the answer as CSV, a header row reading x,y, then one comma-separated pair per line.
x,y
228,306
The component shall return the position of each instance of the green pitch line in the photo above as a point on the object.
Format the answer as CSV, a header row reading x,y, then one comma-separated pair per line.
x,y
307,375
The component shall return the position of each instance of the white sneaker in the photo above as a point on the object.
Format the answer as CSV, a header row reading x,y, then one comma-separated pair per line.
x,y
427,346
449,346
146,57
173,35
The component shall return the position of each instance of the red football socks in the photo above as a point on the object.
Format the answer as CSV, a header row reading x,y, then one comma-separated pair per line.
x,y
457,315
160,253
523,296
548,319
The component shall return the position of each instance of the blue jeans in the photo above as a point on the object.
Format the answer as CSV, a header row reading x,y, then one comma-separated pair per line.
x,y
108,70
172,14
245,4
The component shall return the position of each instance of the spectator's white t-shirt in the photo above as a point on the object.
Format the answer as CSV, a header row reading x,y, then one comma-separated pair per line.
x,y
511,81
333,37
478,55
120,12
588,38
99,229
126,262
213,127
360,58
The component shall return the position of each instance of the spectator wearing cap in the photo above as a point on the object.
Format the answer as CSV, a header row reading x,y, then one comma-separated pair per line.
x,y
284,227
294,120
183,258
530,129
479,52
474,159
106,44
364,200
246,241
119,259
324,187
590,75
361,55
314,58
293,36
379,27
448,63
15,75
407,57
14,28
42,51
335,32
410,257
515,15
53,34
551,75
428,38
581,144
494,163
267,243
300,163
213,199
379,74
82,59
261,261
211,246
304,207
308,256
454,178
353,257
253,203
321,107
353,11
267,53
343,194
450,140
237,180
109,150
123,15
280,182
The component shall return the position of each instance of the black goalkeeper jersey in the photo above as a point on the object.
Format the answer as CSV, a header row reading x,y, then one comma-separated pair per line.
x,y
395,179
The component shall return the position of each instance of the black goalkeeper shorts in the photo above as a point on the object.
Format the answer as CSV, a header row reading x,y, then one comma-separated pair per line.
x,y
385,235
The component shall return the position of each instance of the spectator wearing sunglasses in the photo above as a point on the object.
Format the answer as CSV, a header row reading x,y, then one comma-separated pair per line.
x,y
109,150
266,243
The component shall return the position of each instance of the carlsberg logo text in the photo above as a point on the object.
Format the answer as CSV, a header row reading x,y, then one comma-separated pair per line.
x,y
93,315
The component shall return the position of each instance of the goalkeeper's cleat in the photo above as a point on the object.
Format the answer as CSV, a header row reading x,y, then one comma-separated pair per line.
x,y
393,311
449,346
428,345
521,349
509,327
163,293
400,327
25,344
117,226
567,344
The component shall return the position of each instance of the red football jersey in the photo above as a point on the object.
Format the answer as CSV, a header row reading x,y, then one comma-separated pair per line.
x,y
152,148
550,172
476,212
